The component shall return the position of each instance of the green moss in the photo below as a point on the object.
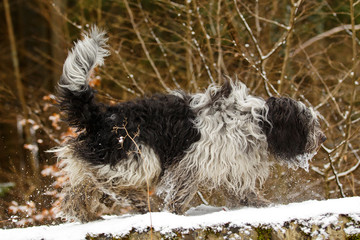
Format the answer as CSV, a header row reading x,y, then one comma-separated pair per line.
x,y
353,237
263,233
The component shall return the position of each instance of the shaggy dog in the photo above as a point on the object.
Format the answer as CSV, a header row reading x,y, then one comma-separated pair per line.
x,y
174,143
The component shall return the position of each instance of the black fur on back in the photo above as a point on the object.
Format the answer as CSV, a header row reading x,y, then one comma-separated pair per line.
x,y
79,107
162,122
288,132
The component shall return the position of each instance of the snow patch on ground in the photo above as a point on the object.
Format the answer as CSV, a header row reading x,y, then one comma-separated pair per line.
x,y
321,213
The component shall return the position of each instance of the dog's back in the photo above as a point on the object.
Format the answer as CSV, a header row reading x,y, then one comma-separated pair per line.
x,y
153,121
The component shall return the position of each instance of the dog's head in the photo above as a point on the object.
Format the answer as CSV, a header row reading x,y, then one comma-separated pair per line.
x,y
293,131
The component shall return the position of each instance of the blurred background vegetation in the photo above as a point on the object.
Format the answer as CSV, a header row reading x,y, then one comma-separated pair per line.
x,y
308,50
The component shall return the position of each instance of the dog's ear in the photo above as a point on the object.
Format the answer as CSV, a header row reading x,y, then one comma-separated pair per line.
x,y
288,129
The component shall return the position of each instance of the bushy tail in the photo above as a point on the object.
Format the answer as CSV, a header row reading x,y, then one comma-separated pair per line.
x,y
75,96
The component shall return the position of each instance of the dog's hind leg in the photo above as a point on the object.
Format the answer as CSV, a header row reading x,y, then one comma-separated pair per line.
x,y
88,201
135,198
82,202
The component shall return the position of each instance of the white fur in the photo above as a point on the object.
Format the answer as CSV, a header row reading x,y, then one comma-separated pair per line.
x,y
127,173
132,172
88,183
81,60
232,151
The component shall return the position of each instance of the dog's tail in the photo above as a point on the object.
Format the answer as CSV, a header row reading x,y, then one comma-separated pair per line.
x,y
75,96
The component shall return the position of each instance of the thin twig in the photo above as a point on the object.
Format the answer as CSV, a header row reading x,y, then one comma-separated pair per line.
x,y
258,65
256,15
323,35
117,82
352,74
350,170
337,178
189,55
202,198
162,48
123,63
203,60
248,29
257,22
207,37
138,150
327,89
294,7
57,9
143,45
220,61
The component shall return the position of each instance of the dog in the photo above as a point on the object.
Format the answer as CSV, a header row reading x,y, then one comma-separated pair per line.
x,y
174,143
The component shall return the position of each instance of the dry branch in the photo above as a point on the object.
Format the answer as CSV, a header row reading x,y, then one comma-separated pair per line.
x,y
143,45
29,139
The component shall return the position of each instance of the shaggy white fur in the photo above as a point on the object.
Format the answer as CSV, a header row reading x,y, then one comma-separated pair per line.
x,y
90,185
136,171
232,151
139,169
85,55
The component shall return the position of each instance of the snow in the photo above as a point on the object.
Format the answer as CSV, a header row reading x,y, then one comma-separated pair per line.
x,y
321,213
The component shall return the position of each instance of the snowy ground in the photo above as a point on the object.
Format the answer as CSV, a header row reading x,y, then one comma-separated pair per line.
x,y
320,212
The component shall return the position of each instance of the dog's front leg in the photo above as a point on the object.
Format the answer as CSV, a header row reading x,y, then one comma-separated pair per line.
x,y
181,200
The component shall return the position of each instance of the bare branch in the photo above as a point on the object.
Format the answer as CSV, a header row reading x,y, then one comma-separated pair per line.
x,y
138,151
324,83
337,178
131,76
294,8
324,35
257,16
29,138
162,49
350,170
143,45
248,29
207,38
189,62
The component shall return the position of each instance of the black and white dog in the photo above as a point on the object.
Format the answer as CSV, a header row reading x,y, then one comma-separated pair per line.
x,y
175,143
